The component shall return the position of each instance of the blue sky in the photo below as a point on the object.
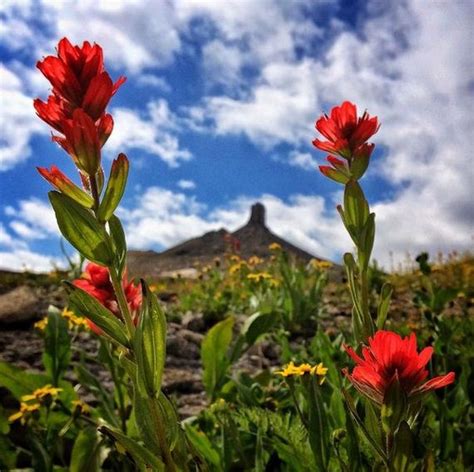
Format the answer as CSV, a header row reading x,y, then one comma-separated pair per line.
x,y
218,112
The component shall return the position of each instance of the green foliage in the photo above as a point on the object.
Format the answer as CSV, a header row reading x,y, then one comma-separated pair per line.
x,y
57,345
214,356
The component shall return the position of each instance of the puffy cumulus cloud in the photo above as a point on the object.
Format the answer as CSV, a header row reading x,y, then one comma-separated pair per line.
x,y
186,184
153,132
130,36
18,122
305,160
162,218
24,259
32,219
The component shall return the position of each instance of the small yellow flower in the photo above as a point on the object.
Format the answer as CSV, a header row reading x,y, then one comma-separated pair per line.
x,y
41,324
237,267
81,407
25,410
274,247
74,320
259,276
320,264
234,258
255,260
40,393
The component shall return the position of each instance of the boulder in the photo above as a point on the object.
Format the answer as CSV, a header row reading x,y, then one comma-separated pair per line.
x,y
21,305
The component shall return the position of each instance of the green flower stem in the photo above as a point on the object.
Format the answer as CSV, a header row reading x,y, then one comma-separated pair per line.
x,y
122,301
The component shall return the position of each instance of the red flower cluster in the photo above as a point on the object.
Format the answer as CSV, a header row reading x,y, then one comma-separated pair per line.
x,y
96,282
81,92
389,358
347,137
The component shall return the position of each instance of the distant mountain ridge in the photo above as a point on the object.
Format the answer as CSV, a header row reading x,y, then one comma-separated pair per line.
x,y
253,238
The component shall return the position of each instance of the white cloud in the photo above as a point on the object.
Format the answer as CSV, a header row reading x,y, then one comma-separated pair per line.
x,y
186,184
33,219
153,133
18,122
24,259
305,160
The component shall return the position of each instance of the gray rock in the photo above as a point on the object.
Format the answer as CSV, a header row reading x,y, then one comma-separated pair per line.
x,y
20,305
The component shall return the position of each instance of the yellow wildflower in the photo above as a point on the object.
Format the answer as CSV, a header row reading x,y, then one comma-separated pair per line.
x,y
236,267
41,324
74,320
40,393
274,247
81,407
320,264
235,258
259,276
22,414
255,260
299,370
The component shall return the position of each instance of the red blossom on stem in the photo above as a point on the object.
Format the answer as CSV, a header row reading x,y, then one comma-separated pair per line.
x,y
347,137
81,91
389,358
96,282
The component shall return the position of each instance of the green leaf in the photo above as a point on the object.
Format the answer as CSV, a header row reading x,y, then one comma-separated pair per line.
x,y
86,452
356,208
366,240
402,448
86,305
359,166
140,454
257,325
115,188
318,428
150,342
120,245
79,226
57,345
214,355
20,382
203,446
384,305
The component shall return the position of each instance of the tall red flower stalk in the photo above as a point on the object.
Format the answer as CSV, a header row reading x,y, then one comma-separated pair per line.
x,y
76,108
390,359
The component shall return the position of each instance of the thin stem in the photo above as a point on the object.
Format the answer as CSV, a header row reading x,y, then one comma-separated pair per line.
x,y
122,300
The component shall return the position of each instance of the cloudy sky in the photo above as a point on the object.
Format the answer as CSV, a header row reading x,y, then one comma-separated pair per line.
x,y
218,112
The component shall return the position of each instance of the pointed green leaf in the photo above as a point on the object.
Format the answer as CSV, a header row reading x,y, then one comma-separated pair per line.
x,y
86,305
384,305
120,245
79,226
115,188
356,207
86,452
140,454
214,355
150,342
19,381
402,448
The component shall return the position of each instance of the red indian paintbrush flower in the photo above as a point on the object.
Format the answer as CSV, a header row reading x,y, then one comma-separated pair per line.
x,y
389,358
96,282
344,132
81,92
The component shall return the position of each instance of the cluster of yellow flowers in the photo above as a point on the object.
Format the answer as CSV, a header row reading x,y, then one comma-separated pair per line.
x,y
72,319
38,396
304,369
259,276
